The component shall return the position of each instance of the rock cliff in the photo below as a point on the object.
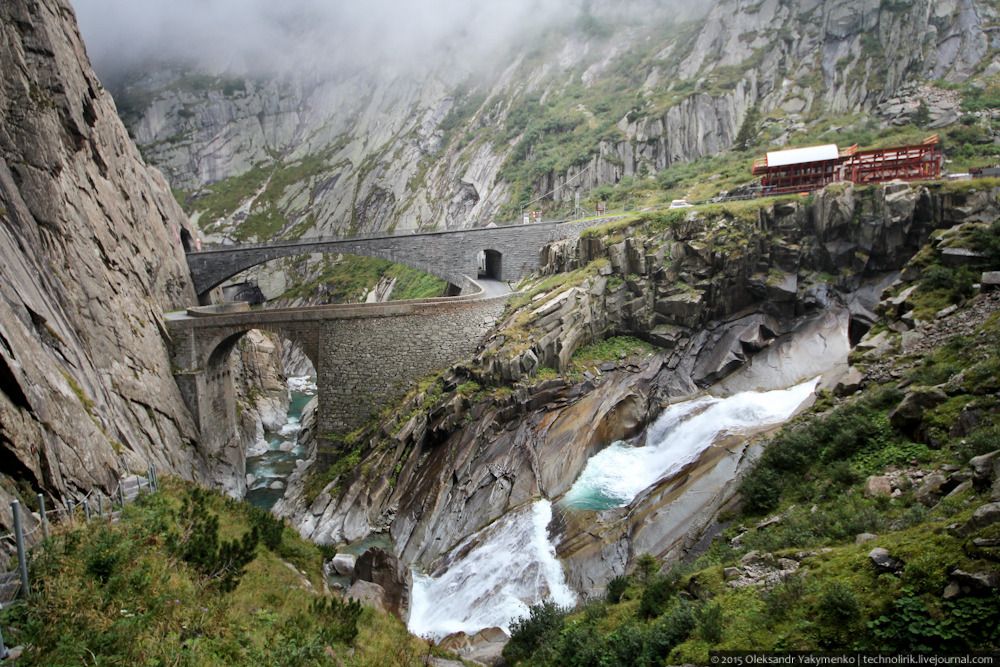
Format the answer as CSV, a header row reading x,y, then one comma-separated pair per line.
x,y
580,108
90,245
714,291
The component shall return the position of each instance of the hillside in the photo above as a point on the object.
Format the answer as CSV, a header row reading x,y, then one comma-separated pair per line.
x,y
189,577
600,97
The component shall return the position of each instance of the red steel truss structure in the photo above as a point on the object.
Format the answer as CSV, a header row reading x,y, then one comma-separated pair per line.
x,y
804,170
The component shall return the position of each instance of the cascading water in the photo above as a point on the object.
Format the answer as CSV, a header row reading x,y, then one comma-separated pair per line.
x,y
272,462
493,576
618,473
512,565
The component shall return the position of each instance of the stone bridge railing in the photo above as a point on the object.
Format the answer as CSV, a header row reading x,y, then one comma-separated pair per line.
x,y
365,356
450,255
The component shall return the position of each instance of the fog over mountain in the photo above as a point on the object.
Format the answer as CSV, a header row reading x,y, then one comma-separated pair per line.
x,y
313,36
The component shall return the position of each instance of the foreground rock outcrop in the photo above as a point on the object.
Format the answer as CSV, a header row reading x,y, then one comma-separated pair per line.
x,y
91,255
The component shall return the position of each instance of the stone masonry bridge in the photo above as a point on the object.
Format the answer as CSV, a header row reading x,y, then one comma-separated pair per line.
x,y
365,355
512,252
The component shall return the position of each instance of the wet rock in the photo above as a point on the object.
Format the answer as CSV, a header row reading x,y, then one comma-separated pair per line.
x,y
344,564
878,485
369,594
882,561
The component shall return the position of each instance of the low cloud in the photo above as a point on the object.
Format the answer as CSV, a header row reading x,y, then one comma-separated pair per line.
x,y
322,36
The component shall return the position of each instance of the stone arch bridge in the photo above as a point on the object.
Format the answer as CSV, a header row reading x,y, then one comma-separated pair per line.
x,y
512,252
365,355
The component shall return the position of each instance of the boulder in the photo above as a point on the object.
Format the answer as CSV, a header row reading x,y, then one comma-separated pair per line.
x,y
909,414
882,561
484,647
990,281
344,564
976,582
878,485
985,468
862,538
368,594
849,383
380,567
931,489
985,515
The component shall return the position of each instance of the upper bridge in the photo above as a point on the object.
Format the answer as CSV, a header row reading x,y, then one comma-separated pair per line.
x,y
512,252
365,355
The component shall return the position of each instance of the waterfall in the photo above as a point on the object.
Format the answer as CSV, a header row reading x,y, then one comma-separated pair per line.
x,y
493,576
618,473
512,565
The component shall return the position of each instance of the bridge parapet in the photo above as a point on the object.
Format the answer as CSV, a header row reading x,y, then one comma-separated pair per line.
x,y
449,255
365,355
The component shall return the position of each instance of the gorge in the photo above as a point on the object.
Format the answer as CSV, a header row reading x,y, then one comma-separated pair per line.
x,y
596,423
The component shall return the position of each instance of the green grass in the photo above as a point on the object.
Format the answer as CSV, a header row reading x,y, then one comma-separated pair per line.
x,y
118,594
349,278
613,349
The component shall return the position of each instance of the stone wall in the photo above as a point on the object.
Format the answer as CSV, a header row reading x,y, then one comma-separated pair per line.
x,y
365,355
448,255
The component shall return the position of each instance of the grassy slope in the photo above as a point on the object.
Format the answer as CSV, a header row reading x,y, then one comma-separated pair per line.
x,y
118,594
812,475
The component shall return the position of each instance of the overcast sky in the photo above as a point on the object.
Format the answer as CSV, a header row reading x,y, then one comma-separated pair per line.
x,y
265,36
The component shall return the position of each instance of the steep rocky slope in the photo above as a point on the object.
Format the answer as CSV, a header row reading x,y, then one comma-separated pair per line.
x,y
712,289
596,99
91,255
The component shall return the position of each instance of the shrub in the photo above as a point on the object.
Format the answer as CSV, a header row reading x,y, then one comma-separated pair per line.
x,y
340,617
655,597
616,588
543,623
197,543
710,623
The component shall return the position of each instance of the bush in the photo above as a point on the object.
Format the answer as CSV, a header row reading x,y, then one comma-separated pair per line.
x,y
710,623
616,588
655,597
197,542
543,623
340,617
267,526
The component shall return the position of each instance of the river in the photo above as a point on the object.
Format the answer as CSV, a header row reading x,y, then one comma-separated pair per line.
x,y
270,463
513,563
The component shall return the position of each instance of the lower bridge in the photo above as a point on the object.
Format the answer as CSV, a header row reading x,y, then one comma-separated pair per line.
x,y
365,356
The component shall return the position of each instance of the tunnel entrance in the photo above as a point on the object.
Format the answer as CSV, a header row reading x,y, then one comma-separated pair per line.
x,y
490,265
186,240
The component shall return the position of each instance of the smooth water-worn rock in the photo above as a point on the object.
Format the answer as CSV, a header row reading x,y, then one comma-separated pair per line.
x,y
91,244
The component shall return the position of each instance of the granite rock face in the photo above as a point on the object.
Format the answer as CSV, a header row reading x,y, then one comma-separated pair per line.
x,y
402,153
91,256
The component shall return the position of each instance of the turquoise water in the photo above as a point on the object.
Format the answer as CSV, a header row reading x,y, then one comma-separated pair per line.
x,y
617,474
278,462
